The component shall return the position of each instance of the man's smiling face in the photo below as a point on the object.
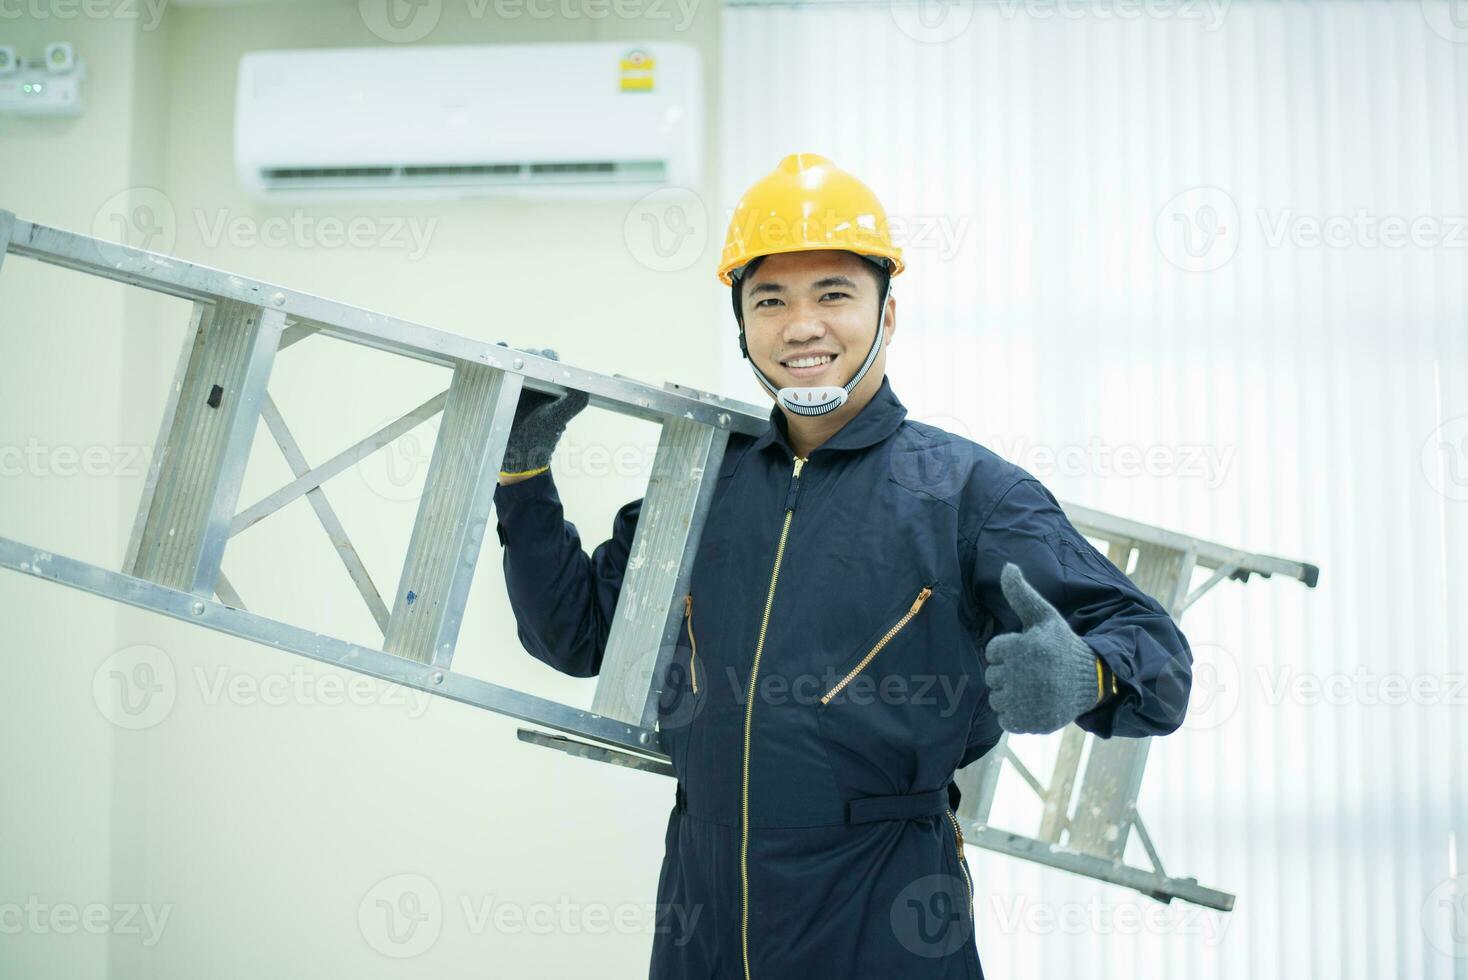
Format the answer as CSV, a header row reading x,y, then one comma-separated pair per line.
x,y
809,318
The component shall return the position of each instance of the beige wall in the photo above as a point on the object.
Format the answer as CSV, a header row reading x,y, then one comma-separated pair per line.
x,y
64,365
261,821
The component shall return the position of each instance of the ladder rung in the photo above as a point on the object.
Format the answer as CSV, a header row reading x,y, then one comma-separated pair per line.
x,y
646,623
184,515
428,606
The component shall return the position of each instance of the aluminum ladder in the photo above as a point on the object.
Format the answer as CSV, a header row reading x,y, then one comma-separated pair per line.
x,y
190,508
190,504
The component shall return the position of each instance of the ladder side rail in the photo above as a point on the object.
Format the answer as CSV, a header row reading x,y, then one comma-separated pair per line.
x,y
1209,554
218,616
178,277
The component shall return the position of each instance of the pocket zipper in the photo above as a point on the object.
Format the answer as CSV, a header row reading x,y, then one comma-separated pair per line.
x,y
693,656
917,604
958,845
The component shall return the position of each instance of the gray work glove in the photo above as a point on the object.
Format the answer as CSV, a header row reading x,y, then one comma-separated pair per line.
x,y
540,419
1039,679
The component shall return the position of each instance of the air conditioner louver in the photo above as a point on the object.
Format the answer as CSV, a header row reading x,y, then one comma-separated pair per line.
x,y
650,173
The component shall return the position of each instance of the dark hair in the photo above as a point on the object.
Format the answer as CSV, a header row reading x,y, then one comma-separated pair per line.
x,y
738,289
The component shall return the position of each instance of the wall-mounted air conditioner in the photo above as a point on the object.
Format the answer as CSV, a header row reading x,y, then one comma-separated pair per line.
x,y
593,120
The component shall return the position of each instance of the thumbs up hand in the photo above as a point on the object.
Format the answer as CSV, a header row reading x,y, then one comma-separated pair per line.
x,y
1041,678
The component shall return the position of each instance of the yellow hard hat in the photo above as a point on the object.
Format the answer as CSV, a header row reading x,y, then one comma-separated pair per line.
x,y
807,203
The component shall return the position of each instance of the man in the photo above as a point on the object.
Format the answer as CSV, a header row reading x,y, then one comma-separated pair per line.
x,y
872,601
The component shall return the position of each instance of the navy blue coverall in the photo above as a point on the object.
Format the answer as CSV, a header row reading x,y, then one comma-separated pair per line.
x,y
853,592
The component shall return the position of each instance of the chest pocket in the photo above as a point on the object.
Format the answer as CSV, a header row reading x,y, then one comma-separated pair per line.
x,y
876,648
888,711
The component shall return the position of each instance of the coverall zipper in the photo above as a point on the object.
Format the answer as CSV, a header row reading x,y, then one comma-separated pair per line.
x,y
790,496
958,845
693,655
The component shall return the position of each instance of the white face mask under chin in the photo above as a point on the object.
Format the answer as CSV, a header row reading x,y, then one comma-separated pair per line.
x,y
814,400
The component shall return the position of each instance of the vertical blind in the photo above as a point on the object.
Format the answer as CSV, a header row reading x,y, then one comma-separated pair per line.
x,y
1201,265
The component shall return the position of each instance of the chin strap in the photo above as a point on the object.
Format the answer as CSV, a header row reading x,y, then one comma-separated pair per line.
x,y
821,399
